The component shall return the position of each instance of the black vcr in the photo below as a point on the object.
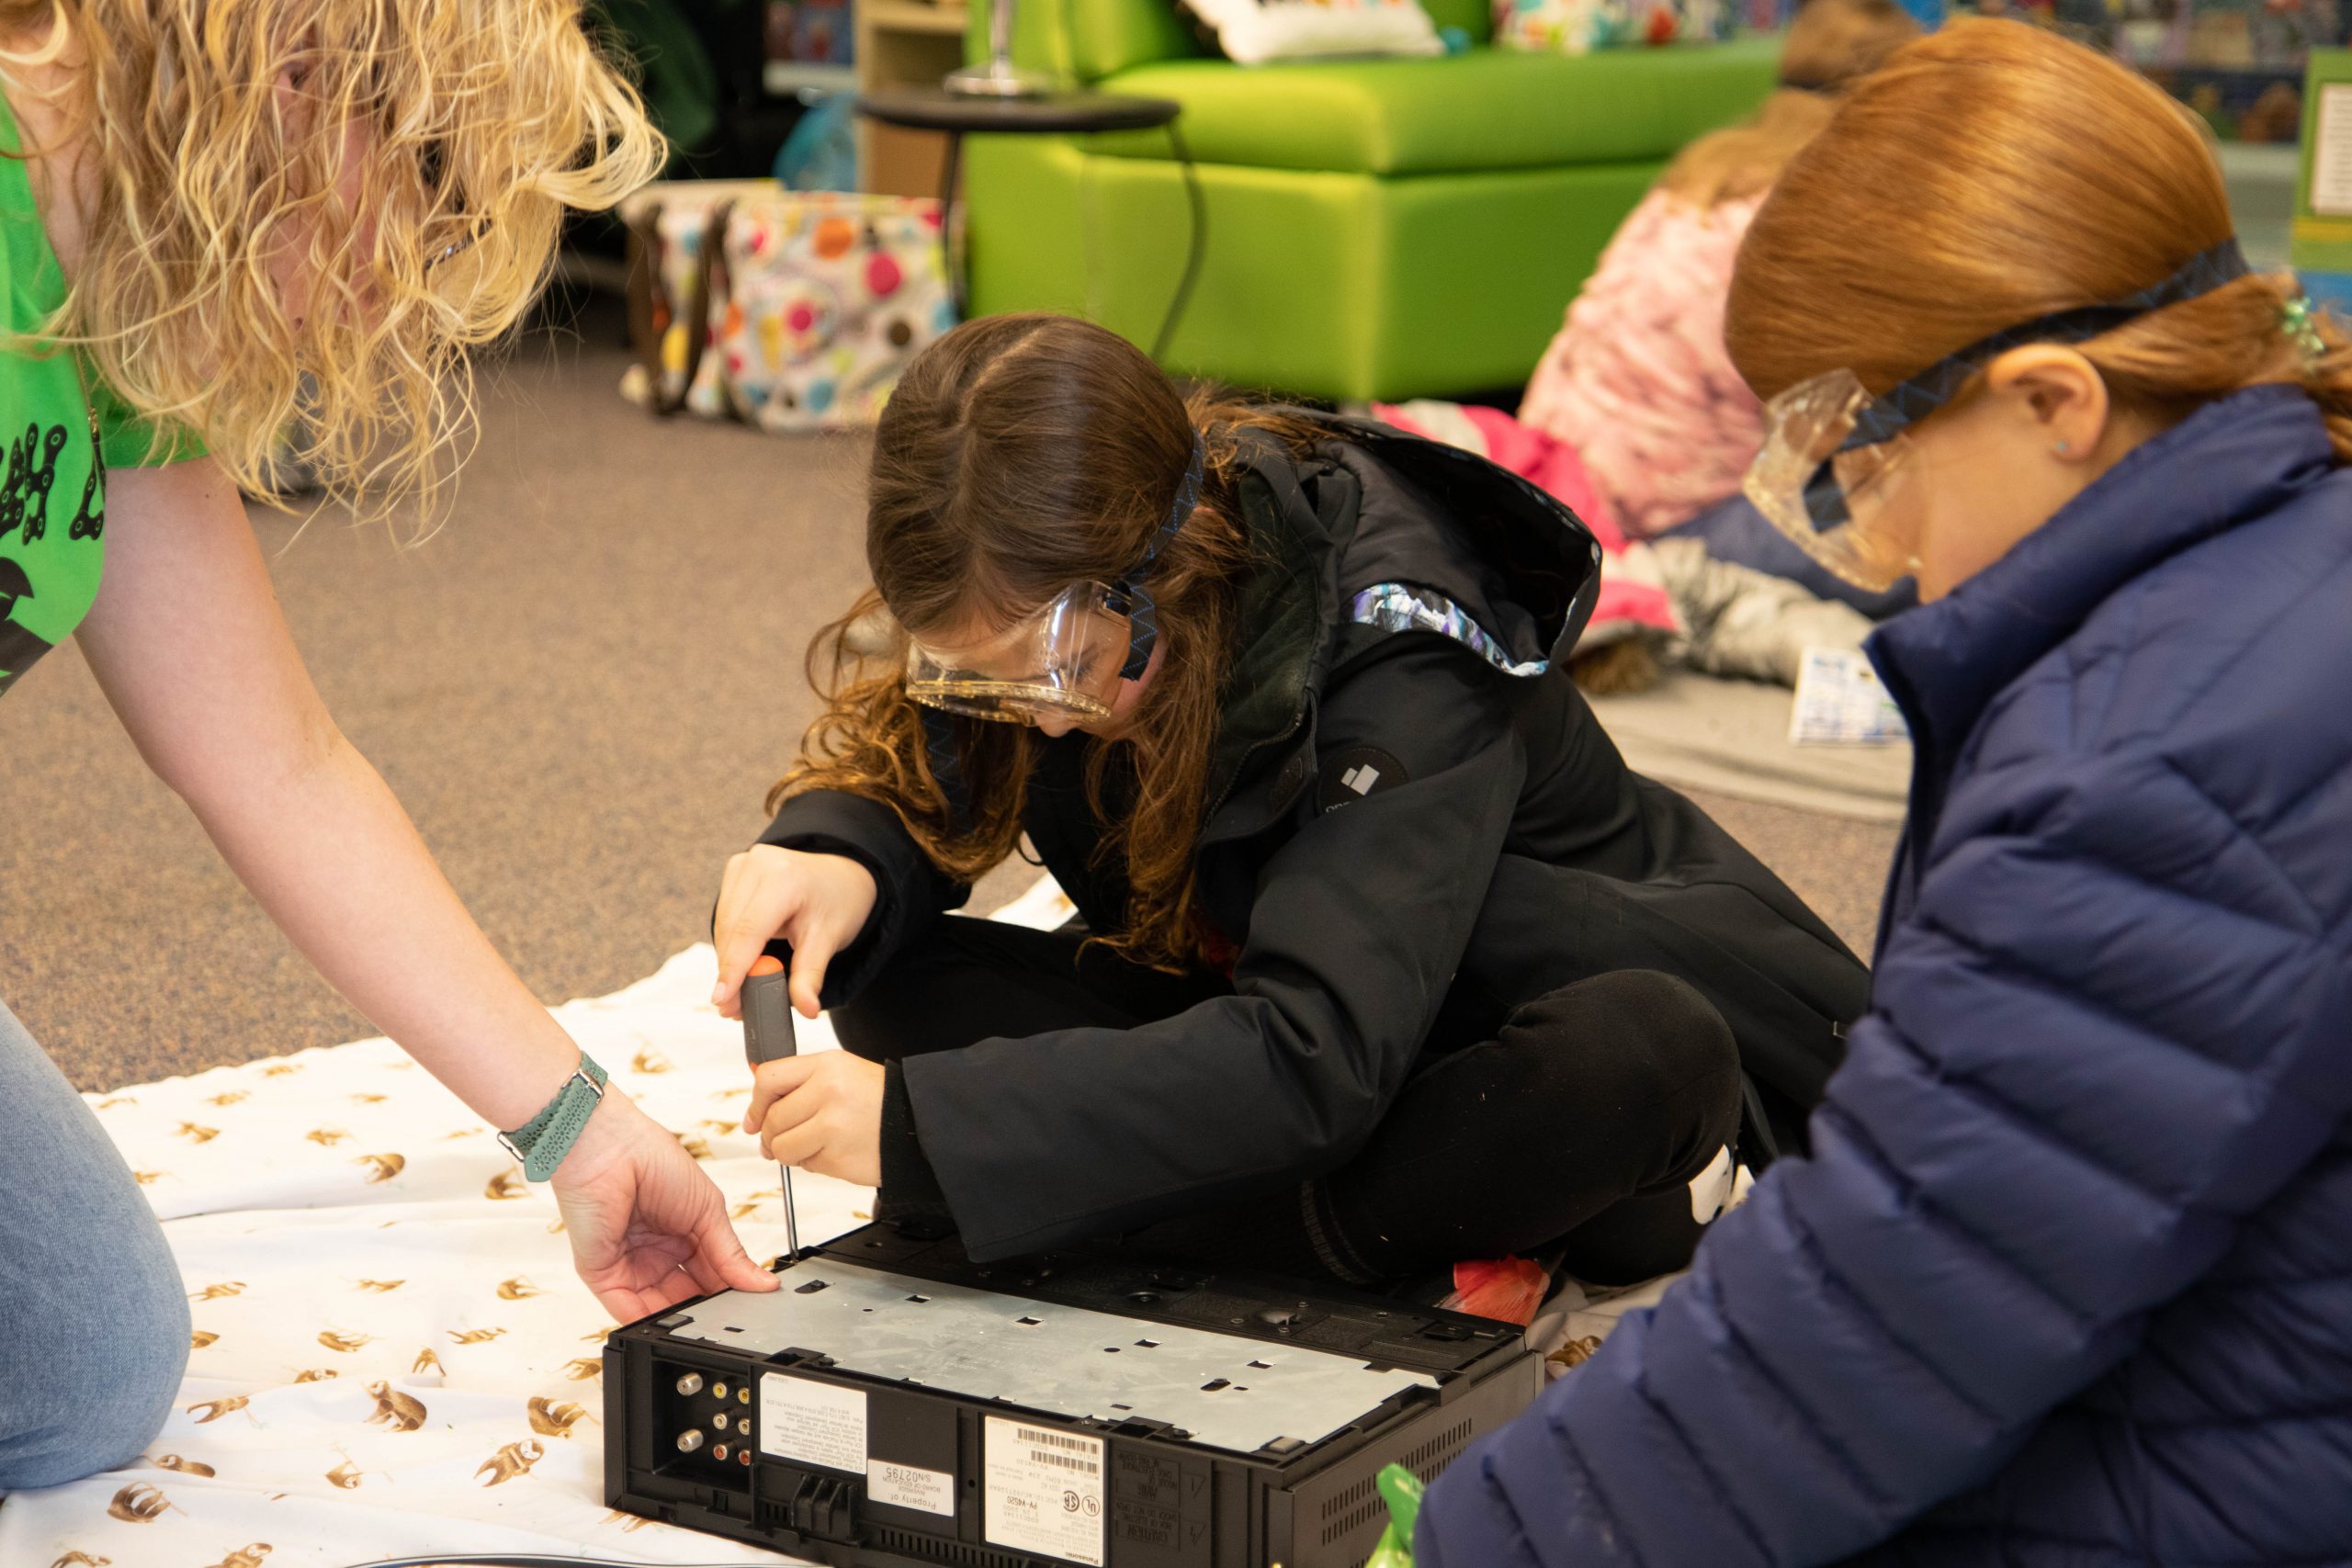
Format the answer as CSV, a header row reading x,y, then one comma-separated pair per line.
x,y
896,1404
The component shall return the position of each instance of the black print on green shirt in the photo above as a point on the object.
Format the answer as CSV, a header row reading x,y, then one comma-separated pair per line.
x,y
87,524
18,646
14,585
24,494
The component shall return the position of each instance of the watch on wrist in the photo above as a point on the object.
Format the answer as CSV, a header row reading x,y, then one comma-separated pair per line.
x,y
542,1143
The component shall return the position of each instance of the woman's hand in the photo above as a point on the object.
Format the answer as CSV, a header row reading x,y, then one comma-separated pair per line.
x,y
821,1112
817,903
648,1228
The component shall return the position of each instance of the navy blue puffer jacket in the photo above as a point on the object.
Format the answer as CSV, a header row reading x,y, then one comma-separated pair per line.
x,y
2068,1281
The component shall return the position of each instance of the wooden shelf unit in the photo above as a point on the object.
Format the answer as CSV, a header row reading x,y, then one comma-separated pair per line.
x,y
905,44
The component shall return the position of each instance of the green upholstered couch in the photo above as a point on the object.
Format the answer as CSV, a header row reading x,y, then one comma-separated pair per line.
x,y
1376,228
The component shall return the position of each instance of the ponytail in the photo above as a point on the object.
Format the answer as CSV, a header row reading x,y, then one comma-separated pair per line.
x,y
2238,336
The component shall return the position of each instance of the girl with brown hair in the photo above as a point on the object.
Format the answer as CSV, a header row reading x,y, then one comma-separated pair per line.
x,y
205,207
1386,960
2067,1276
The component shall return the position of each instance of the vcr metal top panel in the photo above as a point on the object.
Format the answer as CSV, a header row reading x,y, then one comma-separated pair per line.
x,y
1223,1390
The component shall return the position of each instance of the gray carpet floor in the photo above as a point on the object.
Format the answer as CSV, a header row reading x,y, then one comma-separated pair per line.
x,y
582,685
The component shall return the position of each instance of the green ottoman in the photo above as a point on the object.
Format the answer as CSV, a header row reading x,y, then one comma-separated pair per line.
x,y
1376,228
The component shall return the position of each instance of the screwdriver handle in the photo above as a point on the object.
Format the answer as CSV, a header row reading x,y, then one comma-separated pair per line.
x,y
767,1018
768,1037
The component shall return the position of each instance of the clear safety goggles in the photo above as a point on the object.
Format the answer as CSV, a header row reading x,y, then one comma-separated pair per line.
x,y
1066,660
1831,497
1837,461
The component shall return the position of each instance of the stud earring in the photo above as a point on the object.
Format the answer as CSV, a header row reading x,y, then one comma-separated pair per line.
x,y
2063,447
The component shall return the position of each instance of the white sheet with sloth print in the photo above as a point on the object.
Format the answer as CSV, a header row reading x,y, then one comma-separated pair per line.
x,y
392,1356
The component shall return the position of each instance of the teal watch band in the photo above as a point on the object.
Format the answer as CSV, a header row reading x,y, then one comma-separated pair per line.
x,y
543,1141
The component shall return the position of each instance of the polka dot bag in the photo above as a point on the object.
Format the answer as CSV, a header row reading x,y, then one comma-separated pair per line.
x,y
811,303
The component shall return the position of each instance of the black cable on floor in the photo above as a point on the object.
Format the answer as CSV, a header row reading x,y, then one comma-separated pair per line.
x,y
1194,254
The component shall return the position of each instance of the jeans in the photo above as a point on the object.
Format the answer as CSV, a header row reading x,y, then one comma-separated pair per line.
x,y
94,1323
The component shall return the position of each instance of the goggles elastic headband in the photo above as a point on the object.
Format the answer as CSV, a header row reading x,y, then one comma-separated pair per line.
x,y
1921,395
1131,587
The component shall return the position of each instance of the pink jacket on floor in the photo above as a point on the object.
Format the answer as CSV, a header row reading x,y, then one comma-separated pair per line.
x,y
1632,599
1637,379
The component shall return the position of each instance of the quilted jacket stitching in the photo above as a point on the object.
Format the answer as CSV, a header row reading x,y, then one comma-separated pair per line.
x,y
1917,1200
1864,1309
2014,965
2034,1126
2320,924
2282,613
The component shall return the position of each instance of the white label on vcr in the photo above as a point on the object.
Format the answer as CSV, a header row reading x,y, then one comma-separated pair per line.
x,y
813,1423
1045,1491
908,1487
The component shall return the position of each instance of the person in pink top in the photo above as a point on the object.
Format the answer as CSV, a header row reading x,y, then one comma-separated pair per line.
x,y
1637,379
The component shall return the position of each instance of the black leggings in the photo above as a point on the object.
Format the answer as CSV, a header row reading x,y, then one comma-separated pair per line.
x,y
1577,1129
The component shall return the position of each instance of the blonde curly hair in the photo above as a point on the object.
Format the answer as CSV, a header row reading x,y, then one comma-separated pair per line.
x,y
478,122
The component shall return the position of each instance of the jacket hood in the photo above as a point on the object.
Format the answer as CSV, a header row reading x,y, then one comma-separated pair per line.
x,y
1517,564
1376,534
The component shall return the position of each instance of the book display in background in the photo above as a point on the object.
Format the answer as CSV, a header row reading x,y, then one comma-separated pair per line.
x,y
2321,247
2237,63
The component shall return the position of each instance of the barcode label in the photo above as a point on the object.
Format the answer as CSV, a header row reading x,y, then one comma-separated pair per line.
x,y
1044,1491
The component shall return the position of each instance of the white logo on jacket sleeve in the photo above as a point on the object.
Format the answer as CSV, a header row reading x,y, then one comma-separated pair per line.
x,y
1359,774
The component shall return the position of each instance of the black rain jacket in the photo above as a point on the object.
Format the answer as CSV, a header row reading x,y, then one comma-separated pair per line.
x,y
1415,824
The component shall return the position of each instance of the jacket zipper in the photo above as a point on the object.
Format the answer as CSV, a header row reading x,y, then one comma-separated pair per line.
x,y
1243,766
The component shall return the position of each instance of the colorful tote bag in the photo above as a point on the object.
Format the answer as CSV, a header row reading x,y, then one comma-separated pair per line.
x,y
790,310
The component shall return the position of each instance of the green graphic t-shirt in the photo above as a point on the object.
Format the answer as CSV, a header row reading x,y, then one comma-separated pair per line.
x,y
60,429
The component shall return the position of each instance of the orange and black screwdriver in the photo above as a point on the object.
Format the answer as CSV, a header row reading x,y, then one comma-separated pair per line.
x,y
768,1037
